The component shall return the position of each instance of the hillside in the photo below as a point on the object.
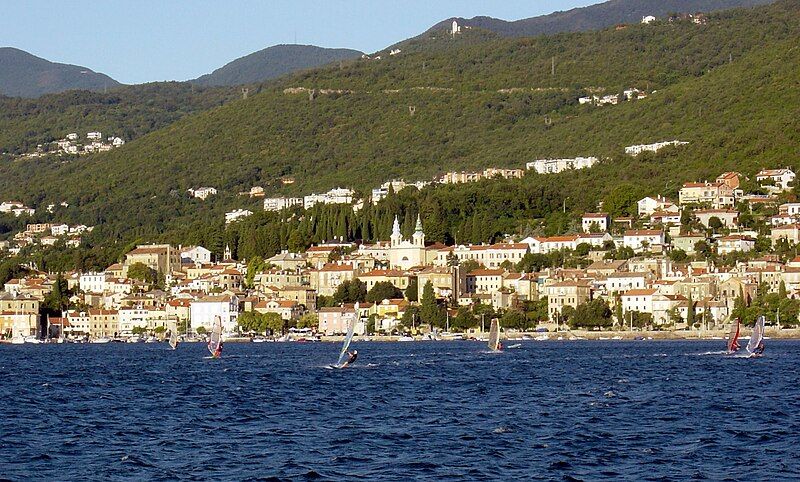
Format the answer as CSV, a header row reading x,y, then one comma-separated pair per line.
x,y
729,88
128,112
25,75
273,62
594,17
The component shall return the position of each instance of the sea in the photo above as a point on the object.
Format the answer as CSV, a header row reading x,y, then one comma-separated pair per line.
x,y
566,411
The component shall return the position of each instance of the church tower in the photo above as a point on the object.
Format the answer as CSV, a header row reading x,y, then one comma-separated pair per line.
x,y
419,236
396,237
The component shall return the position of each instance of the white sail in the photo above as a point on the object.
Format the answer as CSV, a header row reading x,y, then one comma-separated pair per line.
x,y
347,339
758,335
173,339
215,339
494,335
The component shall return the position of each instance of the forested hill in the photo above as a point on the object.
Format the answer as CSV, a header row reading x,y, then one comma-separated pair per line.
x,y
25,75
127,112
729,88
594,17
273,62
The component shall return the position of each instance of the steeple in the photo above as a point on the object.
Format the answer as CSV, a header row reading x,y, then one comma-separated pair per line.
x,y
419,235
396,237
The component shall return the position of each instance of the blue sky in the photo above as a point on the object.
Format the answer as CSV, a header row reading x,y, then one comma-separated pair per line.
x,y
147,40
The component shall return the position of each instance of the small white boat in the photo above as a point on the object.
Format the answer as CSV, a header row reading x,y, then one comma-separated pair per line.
x,y
544,338
259,339
18,340
32,339
617,337
101,340
406,338
284,338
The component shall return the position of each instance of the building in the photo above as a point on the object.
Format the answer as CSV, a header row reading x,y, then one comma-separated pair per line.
x,y
92,282
159,257
730,244
728,217
202,192
326,279
103,323
789,233
204,311
649,205
195,254
280,203
550,166
236,215
717,194
334,196
407,253
640,148
776,179
566,293
336,320
595,222
644,240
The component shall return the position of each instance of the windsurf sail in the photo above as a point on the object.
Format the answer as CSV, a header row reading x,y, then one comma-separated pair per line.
x,y
733,336
173,339
757,338
215,340
347,339
494,335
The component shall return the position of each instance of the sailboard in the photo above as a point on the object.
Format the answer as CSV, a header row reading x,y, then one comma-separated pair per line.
x,y
173,339
346,344
733,337
215,340
494,335
756,344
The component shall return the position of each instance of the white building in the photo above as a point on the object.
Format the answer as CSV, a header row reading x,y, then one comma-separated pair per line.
x,y
644,240
404,253
202,192
334,196
237,215
94,136
204,311
92,282
195,254
781,179
649,205
597,221
549,166
640,148
280,203
730,244
648,19
59,229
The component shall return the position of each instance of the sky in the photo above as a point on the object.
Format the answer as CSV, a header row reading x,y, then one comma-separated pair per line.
x,y
137,41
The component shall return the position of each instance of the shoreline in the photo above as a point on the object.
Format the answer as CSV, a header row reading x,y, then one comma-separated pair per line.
x,y
510,338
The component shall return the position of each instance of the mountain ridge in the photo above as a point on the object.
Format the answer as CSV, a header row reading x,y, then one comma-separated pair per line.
x,y
23,74
593,17
272,62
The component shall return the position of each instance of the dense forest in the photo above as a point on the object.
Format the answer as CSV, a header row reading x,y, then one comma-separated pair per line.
x,y
729,88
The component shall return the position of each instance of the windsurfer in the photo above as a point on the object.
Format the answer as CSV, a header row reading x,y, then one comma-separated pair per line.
x,y
351,359
218,351
759,349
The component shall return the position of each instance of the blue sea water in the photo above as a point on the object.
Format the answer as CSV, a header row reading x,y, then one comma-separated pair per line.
x,y
648,410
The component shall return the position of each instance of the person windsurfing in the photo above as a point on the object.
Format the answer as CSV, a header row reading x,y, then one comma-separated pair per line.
x,y
353,355
218,351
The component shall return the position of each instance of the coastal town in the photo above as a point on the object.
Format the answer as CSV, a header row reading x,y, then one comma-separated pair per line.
x,y
686,264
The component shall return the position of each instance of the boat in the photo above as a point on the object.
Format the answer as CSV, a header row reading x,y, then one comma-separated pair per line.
x,y
259,339
343,354
733,337
756,344
103,339
17,340
173,339
408,338
32,339
543,338
215,338
285,338
494,336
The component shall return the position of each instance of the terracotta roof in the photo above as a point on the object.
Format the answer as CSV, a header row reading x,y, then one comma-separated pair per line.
x,y
639,292
486,272
643,232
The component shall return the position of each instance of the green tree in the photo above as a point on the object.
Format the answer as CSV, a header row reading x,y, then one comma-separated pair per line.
x,y
350,291
308,320
140,330
463,320
57,301
515,319
690,313
383,290
142,272
591,315
254,267
412,291
430,312
201,330
678,255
